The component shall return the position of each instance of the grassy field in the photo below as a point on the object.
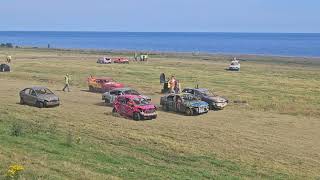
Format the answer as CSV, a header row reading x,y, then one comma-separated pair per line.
x,y
275,135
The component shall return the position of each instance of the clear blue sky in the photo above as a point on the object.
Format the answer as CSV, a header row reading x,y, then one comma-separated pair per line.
x,y
161,15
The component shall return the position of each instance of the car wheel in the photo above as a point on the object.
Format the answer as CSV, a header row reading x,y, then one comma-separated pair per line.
x,y
189,112
21,101
45,104
137,116
91,89
165,108
39,104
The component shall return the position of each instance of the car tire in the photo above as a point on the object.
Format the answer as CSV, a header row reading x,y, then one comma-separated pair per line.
x,y
189,112
137,116
45,104
91,89
165,108
21,101
39,104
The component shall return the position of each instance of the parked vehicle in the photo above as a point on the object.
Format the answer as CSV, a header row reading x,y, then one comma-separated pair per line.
x,y
110,96
102,84
5,68
120,60
185,103
215,102
134,106
39,96
104,60
235,65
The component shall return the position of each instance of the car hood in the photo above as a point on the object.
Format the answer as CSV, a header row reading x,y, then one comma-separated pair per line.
x,y
196,103
48,97
149,106
145,97
216,99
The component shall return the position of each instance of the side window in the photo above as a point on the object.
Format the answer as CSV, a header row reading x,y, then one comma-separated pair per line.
x,y
27,91
33,93
118,93
113,92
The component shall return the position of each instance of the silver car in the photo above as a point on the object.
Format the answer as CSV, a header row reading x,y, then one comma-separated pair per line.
x,y
39,96
110,96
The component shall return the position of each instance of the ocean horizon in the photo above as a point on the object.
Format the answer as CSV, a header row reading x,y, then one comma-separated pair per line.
x,y
274,44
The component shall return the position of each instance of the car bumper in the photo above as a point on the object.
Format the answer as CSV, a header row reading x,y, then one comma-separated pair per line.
x,y
202,110
53,103
220,105
149,115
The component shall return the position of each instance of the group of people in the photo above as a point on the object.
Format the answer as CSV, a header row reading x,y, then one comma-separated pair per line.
x,y
143,57
170,85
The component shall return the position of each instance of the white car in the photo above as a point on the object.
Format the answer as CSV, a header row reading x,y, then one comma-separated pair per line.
x,y
234,66
104,60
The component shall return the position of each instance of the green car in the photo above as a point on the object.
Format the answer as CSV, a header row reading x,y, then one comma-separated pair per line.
x,y
184,103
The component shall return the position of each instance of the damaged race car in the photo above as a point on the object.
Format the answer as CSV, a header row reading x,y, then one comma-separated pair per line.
x,y
135,107
104,60
120,60
39,96
215,102
184,103
109,97
102,84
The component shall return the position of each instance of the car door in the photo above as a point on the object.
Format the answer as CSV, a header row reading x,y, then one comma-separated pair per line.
x,y
25,95
178,104
32,98
129,108
123,105
171,103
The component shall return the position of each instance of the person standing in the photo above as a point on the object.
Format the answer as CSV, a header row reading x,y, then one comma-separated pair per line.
x,y
9,58
172,84
67,82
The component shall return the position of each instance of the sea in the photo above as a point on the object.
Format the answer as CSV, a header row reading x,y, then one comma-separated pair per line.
x,y
276,44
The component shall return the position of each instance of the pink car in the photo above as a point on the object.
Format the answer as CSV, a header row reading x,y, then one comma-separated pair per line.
x,y
134,106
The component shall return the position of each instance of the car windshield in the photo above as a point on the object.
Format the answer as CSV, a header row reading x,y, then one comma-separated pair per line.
x,y
43,91
105,80
206,93
189,97
132,92
141,101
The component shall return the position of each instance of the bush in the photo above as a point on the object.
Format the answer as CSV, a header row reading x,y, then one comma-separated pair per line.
x,y
7,45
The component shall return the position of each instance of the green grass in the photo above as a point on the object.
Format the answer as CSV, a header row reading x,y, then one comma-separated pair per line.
x,y
273,136
110,158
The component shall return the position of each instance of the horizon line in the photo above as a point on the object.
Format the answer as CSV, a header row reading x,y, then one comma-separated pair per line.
x,y
243,32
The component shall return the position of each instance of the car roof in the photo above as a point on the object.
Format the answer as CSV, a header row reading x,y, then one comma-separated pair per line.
x,y
36,87
130,96
180,94
122,89
198,89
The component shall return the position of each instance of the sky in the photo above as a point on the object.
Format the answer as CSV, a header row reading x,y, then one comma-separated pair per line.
x,y
161,15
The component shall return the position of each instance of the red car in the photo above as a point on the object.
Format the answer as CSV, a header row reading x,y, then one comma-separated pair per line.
x,y
102,84
134,106
120,60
